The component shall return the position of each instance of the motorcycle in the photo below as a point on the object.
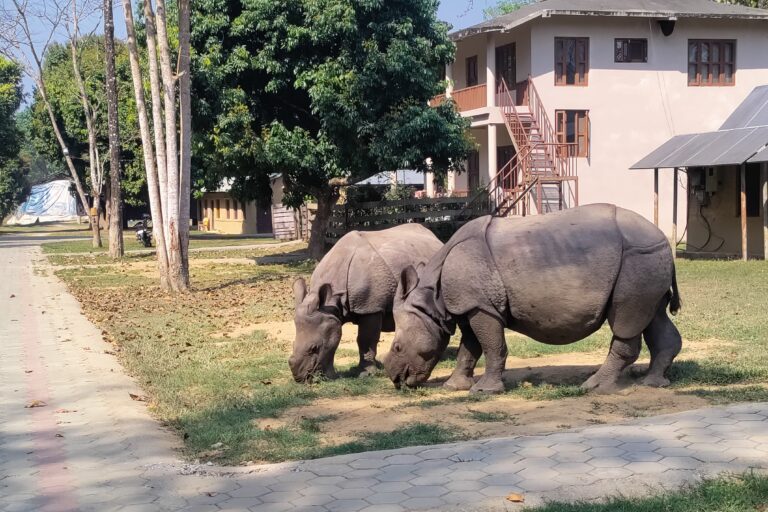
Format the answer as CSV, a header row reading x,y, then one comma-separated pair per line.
x,y
144,232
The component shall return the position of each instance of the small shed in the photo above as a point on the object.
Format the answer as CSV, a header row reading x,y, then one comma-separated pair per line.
x,y
727,177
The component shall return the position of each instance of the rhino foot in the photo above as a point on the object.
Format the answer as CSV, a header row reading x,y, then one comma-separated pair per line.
x,y
487,386
459,383
655,381
601,385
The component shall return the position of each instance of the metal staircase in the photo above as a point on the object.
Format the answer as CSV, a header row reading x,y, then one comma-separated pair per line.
x,y
542,176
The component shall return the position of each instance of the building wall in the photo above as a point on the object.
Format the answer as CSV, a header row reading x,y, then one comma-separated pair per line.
x,y
478,44
722,213
634,108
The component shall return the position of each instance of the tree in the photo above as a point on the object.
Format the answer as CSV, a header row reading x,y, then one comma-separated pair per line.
x,y
167,154
116,249
504,7
761,4
20,43
326,92
13,182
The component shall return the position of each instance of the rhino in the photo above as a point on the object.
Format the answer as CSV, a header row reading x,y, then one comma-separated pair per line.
x,y
355,282
555,278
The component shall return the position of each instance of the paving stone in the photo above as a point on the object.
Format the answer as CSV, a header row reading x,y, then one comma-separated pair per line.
x,y
607,462
390,487
470,485
402,459
387,498
384,508
347,505
539,484
680,462
422,503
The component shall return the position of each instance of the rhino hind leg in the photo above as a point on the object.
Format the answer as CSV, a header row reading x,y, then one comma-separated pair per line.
x,y
623,353
490,335
368,334
664,342
462,378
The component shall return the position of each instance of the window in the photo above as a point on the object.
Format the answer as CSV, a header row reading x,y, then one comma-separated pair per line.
x,y
472,71
473,171
711,62
573,128
571,60
631,50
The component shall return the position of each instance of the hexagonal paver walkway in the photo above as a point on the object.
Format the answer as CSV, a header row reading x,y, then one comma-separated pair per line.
x,y
91,448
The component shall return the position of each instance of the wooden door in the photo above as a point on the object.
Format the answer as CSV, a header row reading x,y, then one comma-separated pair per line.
x,y
506,66
503,155
263,217
473,172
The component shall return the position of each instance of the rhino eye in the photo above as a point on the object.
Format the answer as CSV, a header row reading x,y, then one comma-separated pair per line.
x,y
313,349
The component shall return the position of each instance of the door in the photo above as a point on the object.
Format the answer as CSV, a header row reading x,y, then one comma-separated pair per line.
x,y
263,217
506,66
473,172
503,155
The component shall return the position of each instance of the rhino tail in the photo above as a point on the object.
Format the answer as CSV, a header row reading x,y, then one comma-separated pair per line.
x,y
675,304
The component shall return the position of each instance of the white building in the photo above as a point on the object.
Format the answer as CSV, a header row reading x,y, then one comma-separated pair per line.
x,y
564,96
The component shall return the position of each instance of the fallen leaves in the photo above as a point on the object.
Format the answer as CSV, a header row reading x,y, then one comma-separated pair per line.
x,y
138,398
516,498
35,403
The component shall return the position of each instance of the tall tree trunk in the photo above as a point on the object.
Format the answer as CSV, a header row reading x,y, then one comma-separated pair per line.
x,y
176,272
185,153
116,249
94,163
325,203
147,148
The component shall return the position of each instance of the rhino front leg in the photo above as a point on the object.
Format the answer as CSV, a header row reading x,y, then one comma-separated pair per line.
x,y
368,334
622,354
470,351
490,335
664,342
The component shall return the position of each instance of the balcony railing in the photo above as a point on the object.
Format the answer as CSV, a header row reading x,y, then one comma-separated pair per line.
x,y
470,98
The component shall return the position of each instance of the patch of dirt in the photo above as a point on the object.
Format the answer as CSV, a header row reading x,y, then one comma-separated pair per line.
x,y
516,416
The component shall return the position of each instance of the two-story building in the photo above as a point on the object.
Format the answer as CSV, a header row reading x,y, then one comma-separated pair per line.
x,y
565,96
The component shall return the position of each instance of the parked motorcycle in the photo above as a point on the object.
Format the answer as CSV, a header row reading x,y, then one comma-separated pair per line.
x,y
144,232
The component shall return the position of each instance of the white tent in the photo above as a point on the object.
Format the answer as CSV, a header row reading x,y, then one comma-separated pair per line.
x,y
47,202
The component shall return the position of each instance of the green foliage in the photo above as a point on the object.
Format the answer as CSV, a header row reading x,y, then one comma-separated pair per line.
x,y
13,181
65,100
319,89
762,4
504,7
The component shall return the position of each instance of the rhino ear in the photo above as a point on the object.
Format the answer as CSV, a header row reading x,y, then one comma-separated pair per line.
x,y
328,299
420,267
299,290
409,278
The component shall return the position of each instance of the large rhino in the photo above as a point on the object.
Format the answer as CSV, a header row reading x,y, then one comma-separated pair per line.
x,y
555,278
355,282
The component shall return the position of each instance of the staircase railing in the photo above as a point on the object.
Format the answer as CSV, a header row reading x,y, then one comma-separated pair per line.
x,y
512,119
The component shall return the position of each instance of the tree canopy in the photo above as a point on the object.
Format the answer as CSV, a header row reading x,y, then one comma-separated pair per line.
x,y
321,91
64,96
505,7
13,182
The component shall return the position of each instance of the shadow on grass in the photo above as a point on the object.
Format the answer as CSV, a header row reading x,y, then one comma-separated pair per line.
x,y
727,396
686,373
727,494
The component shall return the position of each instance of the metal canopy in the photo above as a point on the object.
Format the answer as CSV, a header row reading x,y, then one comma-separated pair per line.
x,y
729,147
742,136
762,156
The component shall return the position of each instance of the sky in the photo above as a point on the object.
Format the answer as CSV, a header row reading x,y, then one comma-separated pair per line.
x,y
459,13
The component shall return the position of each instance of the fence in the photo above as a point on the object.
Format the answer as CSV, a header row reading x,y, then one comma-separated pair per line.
x,y
441,215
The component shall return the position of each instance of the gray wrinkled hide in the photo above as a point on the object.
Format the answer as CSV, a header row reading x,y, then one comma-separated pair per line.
x,y
363,267
556,278
355,282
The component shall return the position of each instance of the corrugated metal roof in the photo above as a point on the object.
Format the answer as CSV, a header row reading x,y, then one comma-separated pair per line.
x,y
726,147
753,111
762,156
626,8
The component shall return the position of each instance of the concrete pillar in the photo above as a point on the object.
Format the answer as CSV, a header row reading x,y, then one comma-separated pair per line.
x,y
764,188
656,197
493,166
449,80
490,74
743,197
674,213
429,184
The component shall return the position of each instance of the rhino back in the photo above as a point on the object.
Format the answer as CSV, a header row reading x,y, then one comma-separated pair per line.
x,y
376,266
557,271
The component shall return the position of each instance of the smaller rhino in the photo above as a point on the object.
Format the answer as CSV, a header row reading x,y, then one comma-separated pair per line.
x,y
355,282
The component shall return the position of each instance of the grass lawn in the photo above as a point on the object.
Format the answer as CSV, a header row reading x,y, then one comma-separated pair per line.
x,y
196,241
746,493
59,228
214,363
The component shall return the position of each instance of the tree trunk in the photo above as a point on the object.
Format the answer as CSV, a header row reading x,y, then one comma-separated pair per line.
x,y
148,151
325,203
185,128
116,249
95,215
